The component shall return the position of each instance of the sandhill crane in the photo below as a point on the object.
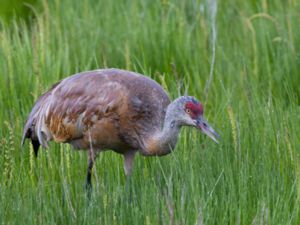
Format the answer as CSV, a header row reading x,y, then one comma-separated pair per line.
x,y
112,109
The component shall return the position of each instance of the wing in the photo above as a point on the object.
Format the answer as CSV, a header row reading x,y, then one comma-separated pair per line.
x,y
70,108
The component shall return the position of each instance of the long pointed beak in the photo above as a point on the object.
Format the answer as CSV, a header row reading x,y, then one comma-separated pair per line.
x,y
207,129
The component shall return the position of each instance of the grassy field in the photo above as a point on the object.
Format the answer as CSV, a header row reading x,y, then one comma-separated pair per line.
x,y
253,101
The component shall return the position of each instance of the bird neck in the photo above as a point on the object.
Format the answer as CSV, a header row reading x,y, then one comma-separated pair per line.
x,y
169,135
164,141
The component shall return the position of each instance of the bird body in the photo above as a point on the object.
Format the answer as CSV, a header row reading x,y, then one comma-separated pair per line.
x,y
111,109
115,109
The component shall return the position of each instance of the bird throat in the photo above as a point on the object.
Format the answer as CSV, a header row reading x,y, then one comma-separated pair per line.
x,y
164,141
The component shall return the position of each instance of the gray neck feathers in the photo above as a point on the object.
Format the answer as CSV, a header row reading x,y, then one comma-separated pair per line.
x,y
168,136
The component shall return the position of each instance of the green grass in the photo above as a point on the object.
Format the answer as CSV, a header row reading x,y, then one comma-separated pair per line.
x,y
251,177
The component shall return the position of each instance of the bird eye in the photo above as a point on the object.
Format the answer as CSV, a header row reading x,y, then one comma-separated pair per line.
x,y
188,111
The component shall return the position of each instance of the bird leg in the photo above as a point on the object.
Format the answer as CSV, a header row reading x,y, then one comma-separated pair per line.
x,y
91,159
128,163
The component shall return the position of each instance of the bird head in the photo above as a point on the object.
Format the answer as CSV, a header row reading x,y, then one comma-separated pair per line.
x,y
189,112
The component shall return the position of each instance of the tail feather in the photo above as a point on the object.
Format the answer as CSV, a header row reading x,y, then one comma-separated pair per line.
x,y
28,133
35,125
30,130
33,131
36,145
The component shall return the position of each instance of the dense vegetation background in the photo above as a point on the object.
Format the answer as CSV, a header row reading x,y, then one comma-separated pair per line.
x,y
251,177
